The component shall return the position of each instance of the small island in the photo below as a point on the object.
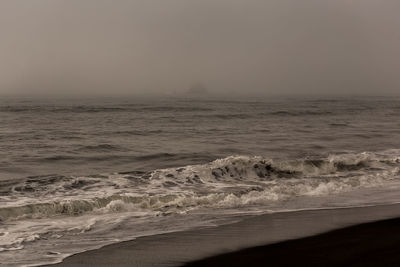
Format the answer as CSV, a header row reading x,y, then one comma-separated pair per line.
x,y
197,90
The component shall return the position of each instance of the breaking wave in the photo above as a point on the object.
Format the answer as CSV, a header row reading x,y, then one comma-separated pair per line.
x,y
235,181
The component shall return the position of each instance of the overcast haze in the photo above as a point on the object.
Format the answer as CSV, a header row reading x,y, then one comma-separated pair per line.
x,y
165,46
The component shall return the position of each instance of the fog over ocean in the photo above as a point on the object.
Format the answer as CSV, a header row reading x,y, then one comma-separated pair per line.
x,y
127,119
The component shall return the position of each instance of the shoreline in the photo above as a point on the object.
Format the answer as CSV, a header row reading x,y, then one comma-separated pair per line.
x,y
179,248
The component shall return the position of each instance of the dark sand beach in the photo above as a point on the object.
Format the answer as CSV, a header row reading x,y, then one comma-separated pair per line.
x,y
369,244
199,133
351,237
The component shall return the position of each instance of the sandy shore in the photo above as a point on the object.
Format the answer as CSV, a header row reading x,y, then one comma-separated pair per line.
x,y
370,244
175,249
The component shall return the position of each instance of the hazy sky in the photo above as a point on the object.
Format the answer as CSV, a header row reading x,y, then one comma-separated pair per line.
x,y
248,46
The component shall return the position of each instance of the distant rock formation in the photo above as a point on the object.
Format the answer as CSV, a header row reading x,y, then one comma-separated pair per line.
x,y
197,89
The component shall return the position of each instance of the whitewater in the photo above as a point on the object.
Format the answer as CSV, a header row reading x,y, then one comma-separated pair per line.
x,y
78,176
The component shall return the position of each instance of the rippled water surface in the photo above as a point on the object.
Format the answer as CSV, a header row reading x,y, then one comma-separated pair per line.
x,y
110,135
97,171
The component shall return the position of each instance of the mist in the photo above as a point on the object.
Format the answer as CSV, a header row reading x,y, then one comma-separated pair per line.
x,y
98,47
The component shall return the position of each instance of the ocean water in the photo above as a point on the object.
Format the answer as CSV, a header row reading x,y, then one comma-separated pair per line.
x,y
77,174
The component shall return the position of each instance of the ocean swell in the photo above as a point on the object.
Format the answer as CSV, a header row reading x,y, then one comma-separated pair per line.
x,y
235,181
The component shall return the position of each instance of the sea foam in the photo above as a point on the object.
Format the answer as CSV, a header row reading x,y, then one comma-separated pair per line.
x,y
234,181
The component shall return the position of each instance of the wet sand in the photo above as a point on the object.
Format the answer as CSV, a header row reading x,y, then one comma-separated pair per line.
x,y
179,248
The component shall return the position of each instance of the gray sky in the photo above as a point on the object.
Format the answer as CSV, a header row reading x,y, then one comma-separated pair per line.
x,y
248,46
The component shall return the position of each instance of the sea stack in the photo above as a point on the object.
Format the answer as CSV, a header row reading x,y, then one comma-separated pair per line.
x,y
197,90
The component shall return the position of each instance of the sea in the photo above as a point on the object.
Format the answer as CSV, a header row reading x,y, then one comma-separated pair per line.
x,y
80,173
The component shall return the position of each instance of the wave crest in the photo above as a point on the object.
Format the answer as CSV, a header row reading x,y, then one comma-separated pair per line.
x,y
224,183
